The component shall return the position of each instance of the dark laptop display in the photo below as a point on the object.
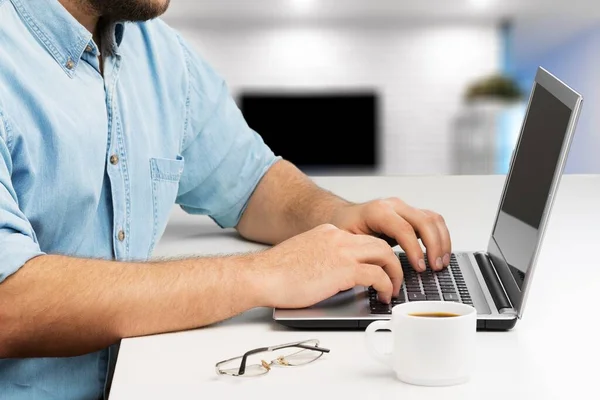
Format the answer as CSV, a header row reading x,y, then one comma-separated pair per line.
x,y
530,181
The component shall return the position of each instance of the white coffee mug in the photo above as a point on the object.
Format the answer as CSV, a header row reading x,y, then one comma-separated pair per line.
x,y
429,351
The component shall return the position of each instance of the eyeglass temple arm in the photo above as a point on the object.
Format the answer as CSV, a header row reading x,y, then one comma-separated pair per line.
x,y
303,346
242,369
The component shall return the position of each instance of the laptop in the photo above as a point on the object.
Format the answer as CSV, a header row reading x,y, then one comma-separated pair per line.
x,y
496,281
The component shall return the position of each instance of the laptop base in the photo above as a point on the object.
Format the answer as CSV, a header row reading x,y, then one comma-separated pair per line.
x,y
482,324
351,309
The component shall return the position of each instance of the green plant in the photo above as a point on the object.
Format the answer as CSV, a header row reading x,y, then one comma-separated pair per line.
x,y
495,86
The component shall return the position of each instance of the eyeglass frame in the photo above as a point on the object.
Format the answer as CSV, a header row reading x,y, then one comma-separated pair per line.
x,y
242,368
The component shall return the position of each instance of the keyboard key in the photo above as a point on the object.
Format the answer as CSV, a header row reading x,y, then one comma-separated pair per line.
x,y
378,304
416,297
451,297
381,311
433,297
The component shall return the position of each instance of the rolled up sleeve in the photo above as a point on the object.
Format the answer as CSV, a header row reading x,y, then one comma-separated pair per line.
x,y
18,243
224,158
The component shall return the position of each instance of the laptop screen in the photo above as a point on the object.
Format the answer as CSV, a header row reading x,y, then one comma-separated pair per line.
x,y
530,180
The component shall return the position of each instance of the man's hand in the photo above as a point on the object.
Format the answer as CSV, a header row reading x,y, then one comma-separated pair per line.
x,y
287,203
405,224
319,263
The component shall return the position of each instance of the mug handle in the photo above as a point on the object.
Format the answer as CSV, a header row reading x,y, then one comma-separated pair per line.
x,y
385,358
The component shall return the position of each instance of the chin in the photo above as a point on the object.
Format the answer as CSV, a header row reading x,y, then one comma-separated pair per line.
x,y
160,6
130,10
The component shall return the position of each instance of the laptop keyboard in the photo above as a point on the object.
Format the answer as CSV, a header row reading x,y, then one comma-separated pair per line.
x,y
445,285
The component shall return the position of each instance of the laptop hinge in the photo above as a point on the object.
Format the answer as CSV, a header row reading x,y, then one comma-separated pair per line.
x,y
494,284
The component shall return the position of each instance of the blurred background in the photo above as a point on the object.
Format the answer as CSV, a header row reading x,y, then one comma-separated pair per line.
x,y
398,87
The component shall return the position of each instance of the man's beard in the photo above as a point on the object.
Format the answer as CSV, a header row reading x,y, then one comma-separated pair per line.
x,y
129,10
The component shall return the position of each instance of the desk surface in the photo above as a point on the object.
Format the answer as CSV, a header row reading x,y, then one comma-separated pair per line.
x,y
552,353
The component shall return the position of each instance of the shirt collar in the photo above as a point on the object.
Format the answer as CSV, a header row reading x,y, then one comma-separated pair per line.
x,y
62,35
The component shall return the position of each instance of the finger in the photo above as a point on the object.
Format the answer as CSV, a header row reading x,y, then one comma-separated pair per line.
x,y
427,229
393,225
444,235
370,250
373,275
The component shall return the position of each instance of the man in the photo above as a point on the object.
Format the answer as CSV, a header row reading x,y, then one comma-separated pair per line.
x,y
104,126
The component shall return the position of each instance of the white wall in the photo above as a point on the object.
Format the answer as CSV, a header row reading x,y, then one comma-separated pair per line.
x,y
420,71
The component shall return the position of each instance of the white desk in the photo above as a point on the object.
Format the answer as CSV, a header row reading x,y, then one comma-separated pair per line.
x,y
553,353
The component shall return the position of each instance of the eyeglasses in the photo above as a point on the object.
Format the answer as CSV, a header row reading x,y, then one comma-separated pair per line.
x,y
254,363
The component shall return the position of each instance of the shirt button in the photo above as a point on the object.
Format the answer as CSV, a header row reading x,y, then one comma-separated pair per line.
x,y
70,64
88,48
121,236
114,159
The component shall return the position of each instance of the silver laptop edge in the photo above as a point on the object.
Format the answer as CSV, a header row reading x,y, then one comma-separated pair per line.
x,y
353,305
573,101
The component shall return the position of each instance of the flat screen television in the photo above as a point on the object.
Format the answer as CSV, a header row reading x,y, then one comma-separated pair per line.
x,y
320,132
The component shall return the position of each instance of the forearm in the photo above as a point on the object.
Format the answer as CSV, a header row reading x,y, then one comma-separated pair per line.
x,y
285,203
60,306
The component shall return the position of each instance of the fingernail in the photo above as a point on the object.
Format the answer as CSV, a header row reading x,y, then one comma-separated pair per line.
x,y
422,265
385,300
447,259
439,263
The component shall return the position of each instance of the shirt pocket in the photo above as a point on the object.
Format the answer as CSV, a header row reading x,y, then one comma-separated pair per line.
x,y
165,175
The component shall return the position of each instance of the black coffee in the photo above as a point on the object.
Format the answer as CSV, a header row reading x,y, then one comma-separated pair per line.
x,y
435,315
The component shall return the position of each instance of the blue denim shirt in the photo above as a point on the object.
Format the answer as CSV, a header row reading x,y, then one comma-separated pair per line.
x,y
92,164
